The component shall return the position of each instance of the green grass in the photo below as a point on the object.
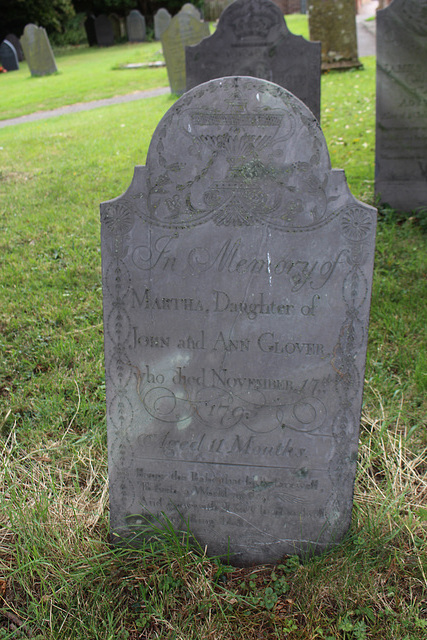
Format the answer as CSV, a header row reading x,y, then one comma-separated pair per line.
x,y
59,578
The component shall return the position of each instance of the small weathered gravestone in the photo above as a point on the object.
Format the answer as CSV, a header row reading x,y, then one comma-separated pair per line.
x,y
401,130
118,24
334,24
104,31
237,273
14,40
89,25
37,50
135,25
162,19
183,30
252,39
8,56
192,10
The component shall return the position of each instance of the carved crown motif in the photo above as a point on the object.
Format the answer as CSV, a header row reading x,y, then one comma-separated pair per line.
x,y
252,22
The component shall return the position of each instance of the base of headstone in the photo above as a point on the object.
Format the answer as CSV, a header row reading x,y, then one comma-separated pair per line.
x,y
342,64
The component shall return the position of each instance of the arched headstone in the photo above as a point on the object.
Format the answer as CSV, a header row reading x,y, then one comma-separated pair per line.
x,y
37,50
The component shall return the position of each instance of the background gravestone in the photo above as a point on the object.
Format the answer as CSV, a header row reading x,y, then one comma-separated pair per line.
x,y
162,19
191,9
401,134
89,25
104,31
37,50
183,30
269,51
13,39
118,25
8,56
237,272
135,25
334,24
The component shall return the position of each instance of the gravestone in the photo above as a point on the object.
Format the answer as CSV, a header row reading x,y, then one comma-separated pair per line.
x,y
162,19
334,24
192,10
14,40
89,25
237,272
37,51
401,129
135,25
252,39
183,30
8,56
118,25
104,31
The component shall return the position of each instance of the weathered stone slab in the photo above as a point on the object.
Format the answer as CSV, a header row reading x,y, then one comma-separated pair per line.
x,y
334,24
401,129
37,50
118,24
89,25
192,10
8,56
13,39
162,19
182,31
135,25
252,39
237,273
104,31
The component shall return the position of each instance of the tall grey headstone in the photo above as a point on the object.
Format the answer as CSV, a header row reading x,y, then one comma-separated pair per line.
x,y
162,19
37,51
252,39
334,24
183,30
8,56
104,31
401,129
237,272
135,25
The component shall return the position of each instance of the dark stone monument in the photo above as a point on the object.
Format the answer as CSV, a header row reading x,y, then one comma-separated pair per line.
x,y
162,19
401,135
8,56
237,272
89,25
13,39
104,31
37,50
135,25
252,39
334,24
118,25
183,30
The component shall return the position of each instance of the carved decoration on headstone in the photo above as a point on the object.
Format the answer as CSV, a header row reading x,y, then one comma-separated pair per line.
x,y
37,50
183,30
401,127
252,39
237,272
334,24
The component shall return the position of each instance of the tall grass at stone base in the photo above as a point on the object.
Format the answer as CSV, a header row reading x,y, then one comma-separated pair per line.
x,y
59,576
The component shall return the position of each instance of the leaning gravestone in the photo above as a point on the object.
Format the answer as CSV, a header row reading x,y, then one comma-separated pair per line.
x,y
135,25
334,24
162,20
104,31
8,56
401,135
37,51
183,30
14,40
269,51
237,272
